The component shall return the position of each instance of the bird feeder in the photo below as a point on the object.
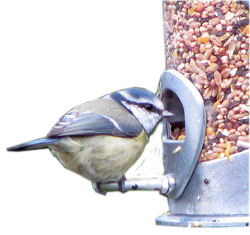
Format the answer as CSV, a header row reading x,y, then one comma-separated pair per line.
x,y
205,91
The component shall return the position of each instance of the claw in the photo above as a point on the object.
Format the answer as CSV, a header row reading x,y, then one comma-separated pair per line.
x,y
98,189
121,184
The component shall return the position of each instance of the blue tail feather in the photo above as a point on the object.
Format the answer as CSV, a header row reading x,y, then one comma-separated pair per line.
x,y
34,144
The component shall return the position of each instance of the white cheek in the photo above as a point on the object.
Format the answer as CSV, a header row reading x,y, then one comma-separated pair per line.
x,y
150,121
147,119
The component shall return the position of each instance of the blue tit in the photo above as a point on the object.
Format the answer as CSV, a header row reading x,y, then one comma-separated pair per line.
x,y
101,139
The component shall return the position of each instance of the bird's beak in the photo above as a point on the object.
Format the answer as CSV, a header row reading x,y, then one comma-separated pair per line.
x,y
166,114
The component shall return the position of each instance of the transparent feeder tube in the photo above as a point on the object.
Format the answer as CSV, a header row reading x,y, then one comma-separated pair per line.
x,y
208,42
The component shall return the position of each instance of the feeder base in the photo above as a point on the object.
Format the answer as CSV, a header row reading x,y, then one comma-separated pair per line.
x,y
203,221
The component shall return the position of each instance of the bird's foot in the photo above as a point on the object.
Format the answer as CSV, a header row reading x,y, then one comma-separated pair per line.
x,y
96,187
121,183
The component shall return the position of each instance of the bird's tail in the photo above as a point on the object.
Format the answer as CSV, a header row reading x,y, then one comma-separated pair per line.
x,y
34,144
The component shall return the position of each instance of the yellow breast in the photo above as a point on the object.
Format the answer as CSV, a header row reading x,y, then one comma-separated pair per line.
x,y
101,158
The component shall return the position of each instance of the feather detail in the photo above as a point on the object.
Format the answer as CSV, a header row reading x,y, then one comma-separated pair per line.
x,y
34,144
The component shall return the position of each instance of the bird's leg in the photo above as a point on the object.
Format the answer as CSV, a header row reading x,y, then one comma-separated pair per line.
x,y
121,184
96,186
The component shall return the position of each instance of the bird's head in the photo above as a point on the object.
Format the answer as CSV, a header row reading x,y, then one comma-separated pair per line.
x,y
141,103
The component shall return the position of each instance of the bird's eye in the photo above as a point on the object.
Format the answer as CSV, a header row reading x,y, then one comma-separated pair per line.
x,y
149,107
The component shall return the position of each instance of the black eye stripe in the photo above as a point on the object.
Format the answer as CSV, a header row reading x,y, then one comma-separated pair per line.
x,y
150,107
118,98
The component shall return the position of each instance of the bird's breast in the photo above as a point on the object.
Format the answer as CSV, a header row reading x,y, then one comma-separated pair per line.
x,y
100,158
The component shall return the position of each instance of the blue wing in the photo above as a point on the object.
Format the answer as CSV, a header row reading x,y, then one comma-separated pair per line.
x,y
84,124
105,118
90,123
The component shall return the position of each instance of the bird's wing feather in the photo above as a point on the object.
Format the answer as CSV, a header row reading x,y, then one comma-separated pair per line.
x,y
43,142
91,123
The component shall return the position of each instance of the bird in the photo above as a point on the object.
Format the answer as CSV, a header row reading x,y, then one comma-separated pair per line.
x,y
101,139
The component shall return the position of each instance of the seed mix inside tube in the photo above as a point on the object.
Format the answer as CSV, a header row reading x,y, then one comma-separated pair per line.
x,y
208,42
